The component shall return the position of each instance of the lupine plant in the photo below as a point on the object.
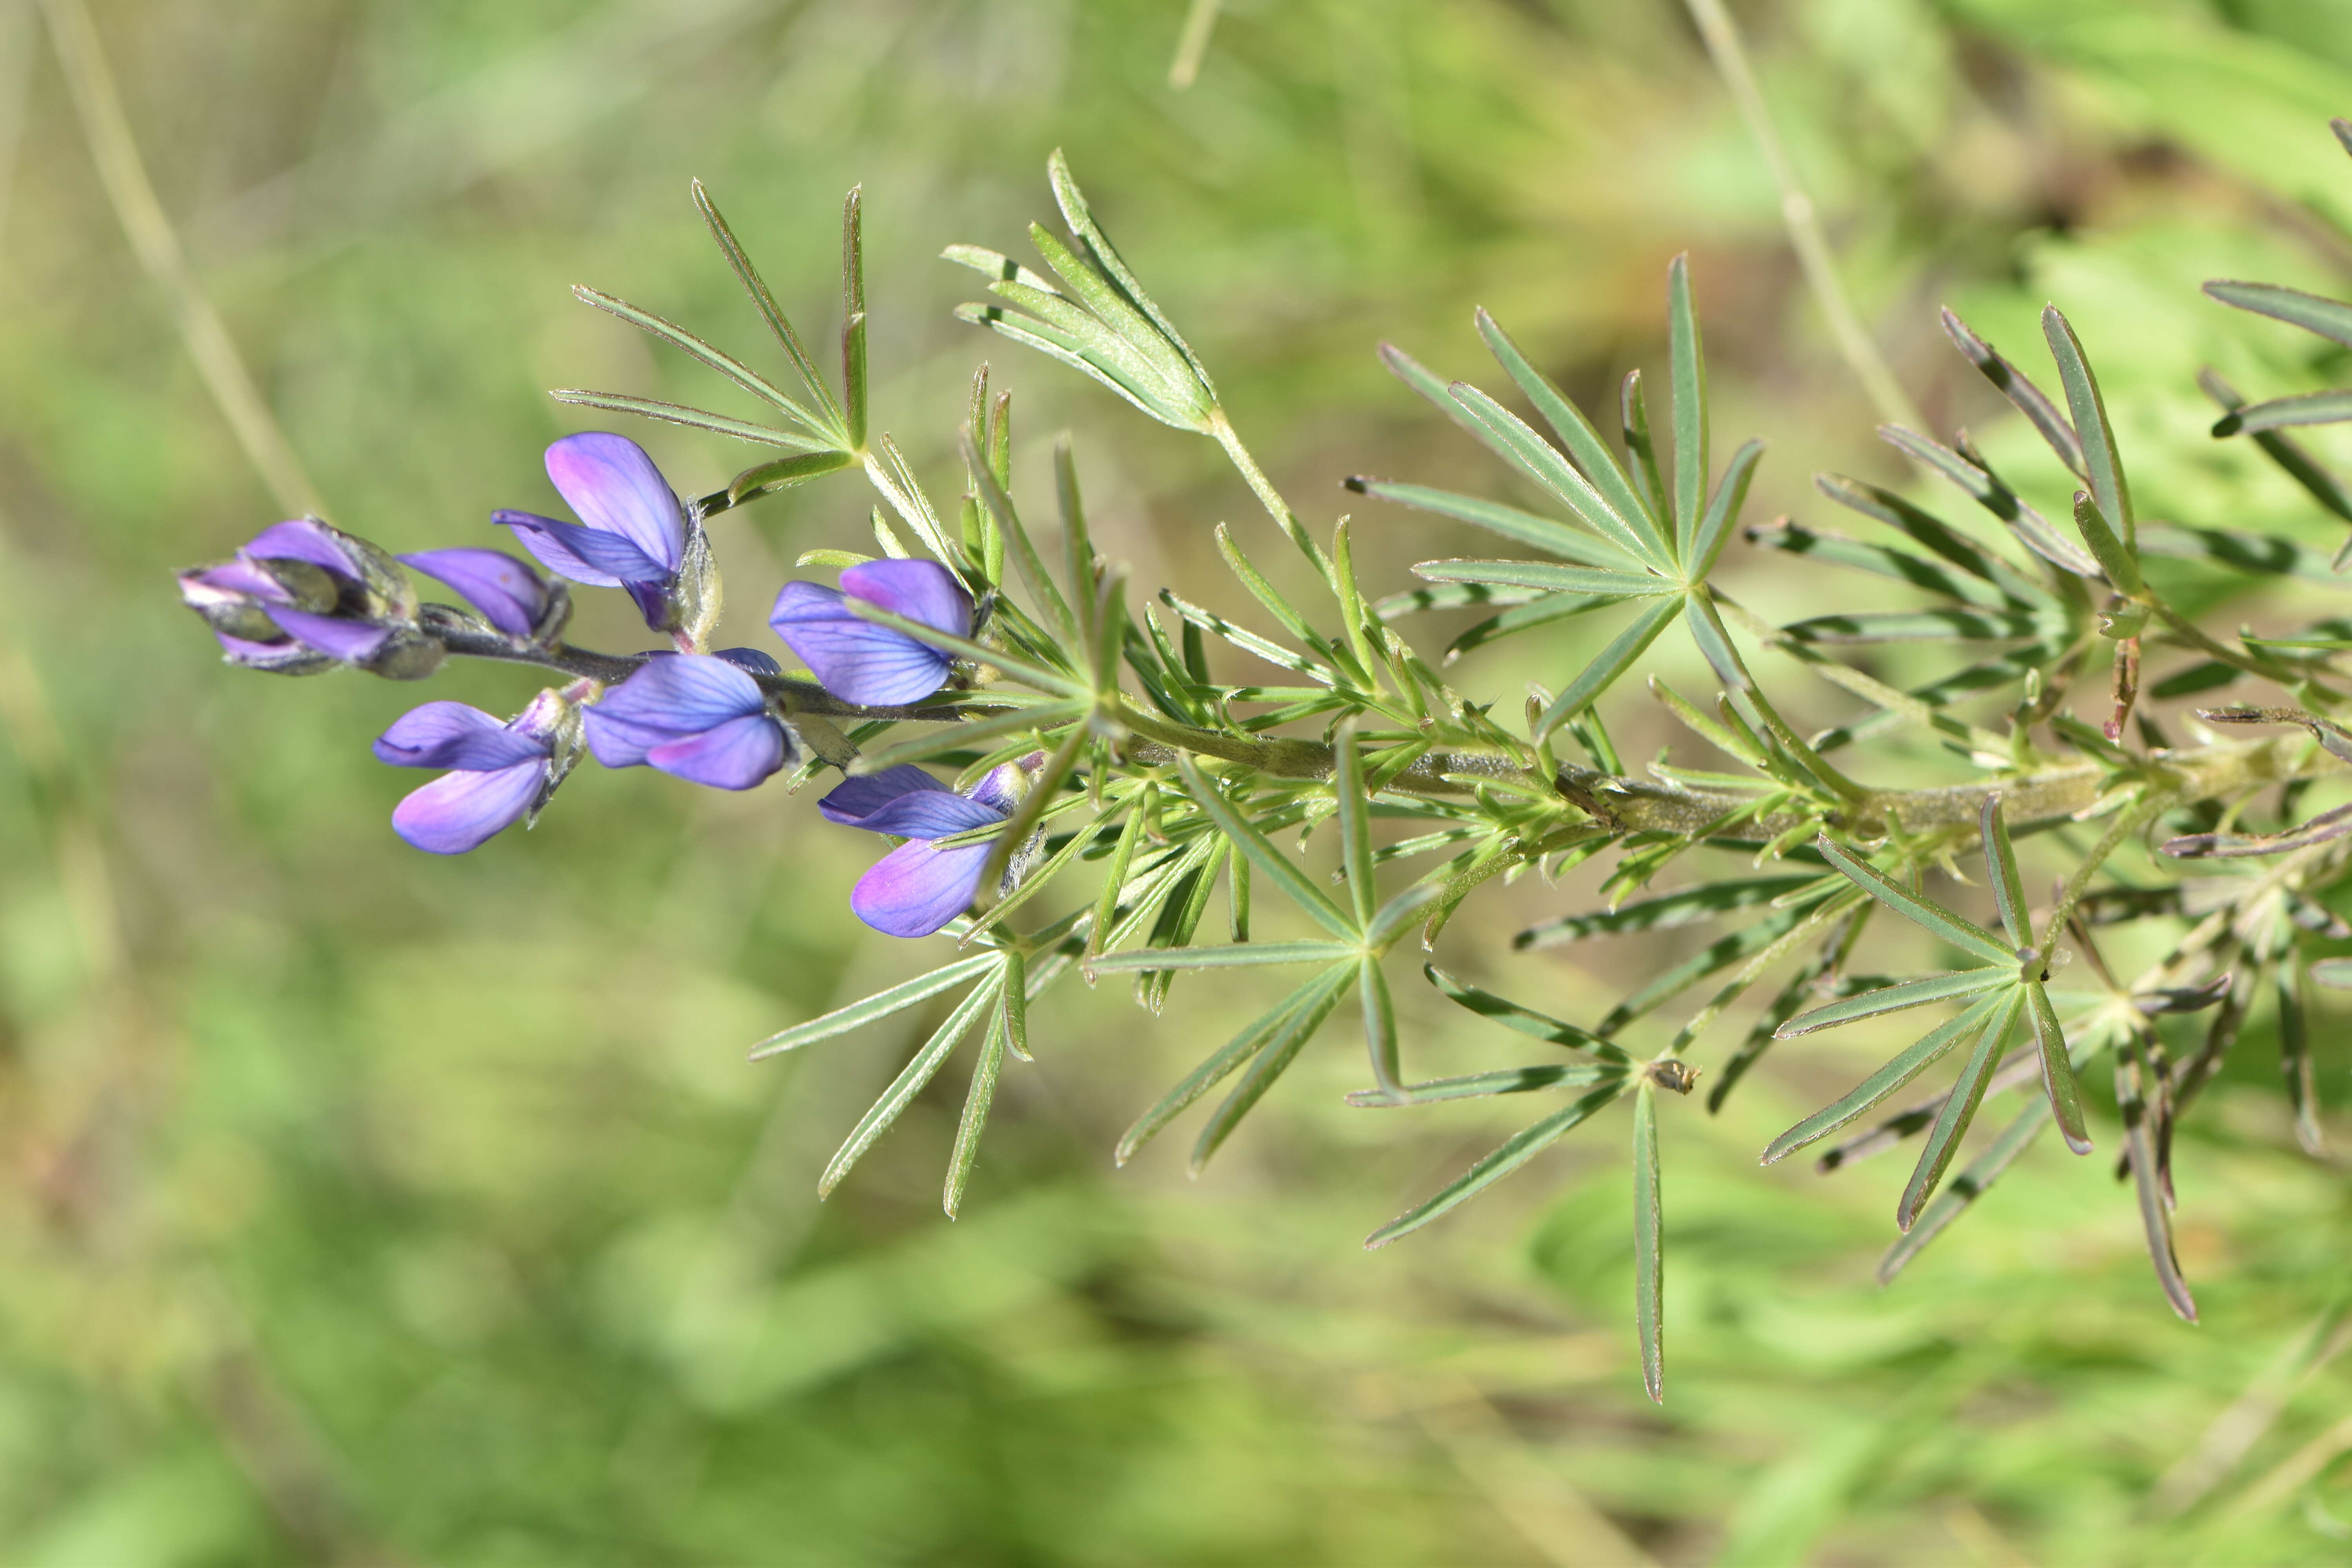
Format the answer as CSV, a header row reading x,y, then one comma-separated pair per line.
x,y
1070,785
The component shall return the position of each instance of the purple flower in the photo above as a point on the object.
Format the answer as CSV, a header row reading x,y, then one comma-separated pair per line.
x,y
499,773
698,716
858,661
300,596
917,887
509,595
632,531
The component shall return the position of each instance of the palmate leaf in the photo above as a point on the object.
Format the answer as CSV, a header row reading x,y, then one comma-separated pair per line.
x,y
1874,1090
2101,464
1520,527
1973,1182
2333,407
1515,1151
2329,319
1649,1256
2288,453
1952,1122
1968,473
1885,560
2028,398
1542,462
918,1071
1963,933
1592,458
1483,1085
1268,1032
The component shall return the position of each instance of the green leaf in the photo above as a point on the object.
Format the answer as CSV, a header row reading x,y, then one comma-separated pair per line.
x,y
1986,489
2330,319
1966,935
2333,407
1725,951
1281,1046
1542,462
732,369
1389,924
976,1102
1238,955
1936,536
1898,998
1585,447
1649,1259
2140,1152
1614,662
1687,365
1664,913
1216,1069
1267,594
881,1004
2029,399
977,734
1723,510
1379,1025
2289,453
1059,345
2116,558
1884,561
1279,867
907,1084
1922,625
1867,1094
2103,466
1944,1138
1966,1188
1354,803
2294,1060
2057,1070
1525,1020
1515,1151
2000,870
853,317
1524,527
1105,258
1273,652
767,478
2259,553
828,410
1544,575
1481,1085
1634,420
680,413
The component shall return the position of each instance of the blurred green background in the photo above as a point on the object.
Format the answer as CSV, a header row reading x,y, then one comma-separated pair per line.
x,y
363,1206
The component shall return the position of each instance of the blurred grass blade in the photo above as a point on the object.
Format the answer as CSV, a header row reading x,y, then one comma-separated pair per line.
x,y
2330,319
2029,399
2057,1070
1614,662
1866,1095
1518,1151
1284,871
881,1004
1525,1020
976,1102
1971,1184
908,1083
2103,466
1933,918
1649,1260
1687,365
1952,1123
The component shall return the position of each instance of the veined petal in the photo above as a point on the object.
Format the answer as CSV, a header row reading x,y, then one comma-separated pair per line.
x,y
859,796
921,591
349,641
614,560
613,486
750,660
917,889
921,814
669,699
856,661
737,754
236,579
537,535
303,539
1005,786
453,735
459,811
509,595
